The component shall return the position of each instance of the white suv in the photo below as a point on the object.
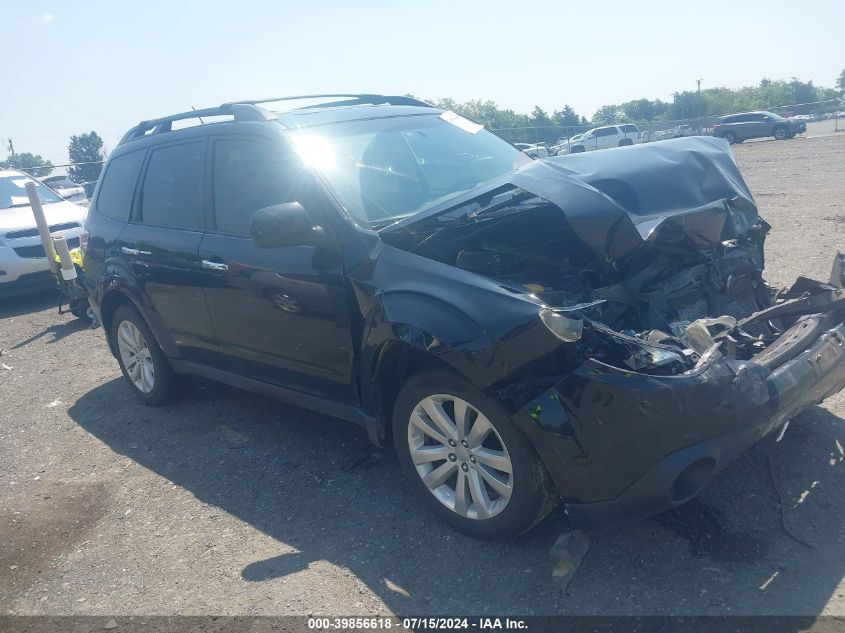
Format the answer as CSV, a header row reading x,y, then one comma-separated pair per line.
x,y
23,264
604,137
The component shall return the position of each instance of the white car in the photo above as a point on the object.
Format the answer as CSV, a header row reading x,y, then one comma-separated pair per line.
x,y
534,150
604,137
23,264
67,189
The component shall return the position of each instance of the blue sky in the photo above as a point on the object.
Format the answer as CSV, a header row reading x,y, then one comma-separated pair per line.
x,y
75,66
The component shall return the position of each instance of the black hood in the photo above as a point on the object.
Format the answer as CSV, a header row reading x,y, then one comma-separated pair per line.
x,y
615,199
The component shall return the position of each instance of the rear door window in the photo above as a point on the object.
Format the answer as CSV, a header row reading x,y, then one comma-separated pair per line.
x,y
172,193
114,200
249,174
605,131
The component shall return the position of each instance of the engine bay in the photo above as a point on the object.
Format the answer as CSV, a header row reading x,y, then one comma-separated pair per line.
x,y
664,308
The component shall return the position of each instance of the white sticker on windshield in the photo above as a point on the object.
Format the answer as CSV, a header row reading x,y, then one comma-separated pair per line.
x,y
458,121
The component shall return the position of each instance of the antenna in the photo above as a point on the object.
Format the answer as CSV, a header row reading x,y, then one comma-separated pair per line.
x,y
199,117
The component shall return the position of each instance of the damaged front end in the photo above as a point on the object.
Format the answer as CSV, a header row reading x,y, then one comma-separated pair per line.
x,y
674,353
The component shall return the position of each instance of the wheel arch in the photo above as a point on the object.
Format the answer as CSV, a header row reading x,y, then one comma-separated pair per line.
x,y
116,295
410,333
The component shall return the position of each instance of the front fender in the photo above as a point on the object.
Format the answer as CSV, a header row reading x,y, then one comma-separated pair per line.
x,y
429,324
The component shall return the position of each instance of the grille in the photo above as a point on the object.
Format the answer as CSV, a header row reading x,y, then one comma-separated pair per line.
x,y
34,231
37,251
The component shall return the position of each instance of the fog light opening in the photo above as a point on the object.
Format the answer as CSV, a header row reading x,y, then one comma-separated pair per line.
x,y
691,480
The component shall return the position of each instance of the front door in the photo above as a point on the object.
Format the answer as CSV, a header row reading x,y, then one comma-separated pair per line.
x,y
280,315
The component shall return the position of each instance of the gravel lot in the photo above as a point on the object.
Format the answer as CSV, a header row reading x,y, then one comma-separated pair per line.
x,y
231,503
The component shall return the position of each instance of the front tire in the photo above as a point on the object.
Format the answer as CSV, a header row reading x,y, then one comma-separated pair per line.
x,y
142,362
780,133
467,460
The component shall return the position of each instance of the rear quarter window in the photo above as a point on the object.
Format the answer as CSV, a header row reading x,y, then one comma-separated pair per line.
x,y
114,200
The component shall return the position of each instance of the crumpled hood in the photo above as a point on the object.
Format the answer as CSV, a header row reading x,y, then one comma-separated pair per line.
x,y
615,199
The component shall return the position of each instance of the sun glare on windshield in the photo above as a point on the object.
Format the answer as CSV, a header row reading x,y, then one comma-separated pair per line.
x,y
316,151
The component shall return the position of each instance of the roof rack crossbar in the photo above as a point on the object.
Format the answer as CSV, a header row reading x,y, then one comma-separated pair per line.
x,y
240,112
354,99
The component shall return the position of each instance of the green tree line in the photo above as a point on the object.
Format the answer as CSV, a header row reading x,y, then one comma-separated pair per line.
x,y
767,94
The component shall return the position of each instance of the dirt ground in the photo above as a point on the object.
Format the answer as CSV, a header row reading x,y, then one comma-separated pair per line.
x,y
231,503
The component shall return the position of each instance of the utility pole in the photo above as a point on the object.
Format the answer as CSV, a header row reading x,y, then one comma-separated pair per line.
x,y
698,102
11,147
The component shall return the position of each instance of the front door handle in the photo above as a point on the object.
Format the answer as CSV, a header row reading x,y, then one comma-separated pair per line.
x,y
214,265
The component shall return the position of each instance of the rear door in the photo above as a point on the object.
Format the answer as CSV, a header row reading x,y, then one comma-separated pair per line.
x,y
606,137
280,314
742,125
161,245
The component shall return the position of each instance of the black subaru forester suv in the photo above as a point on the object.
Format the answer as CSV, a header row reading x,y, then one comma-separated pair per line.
x,y
593,328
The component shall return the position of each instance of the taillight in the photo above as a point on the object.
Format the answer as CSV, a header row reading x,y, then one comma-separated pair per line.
x,y
83,241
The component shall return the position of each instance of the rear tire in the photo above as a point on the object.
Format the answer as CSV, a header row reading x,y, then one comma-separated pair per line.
x,y
82,310
142,362
625,142
475,458
730,137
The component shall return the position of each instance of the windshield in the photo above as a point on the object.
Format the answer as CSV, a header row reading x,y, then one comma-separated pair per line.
x,y
13,192
387,169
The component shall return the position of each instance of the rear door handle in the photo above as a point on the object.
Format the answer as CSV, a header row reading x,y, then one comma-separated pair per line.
x,y
133,251
209,265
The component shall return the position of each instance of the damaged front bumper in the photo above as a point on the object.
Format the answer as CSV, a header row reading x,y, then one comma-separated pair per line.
x,y
623,444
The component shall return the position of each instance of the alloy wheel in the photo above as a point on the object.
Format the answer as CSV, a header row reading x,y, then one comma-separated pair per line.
x,y
460,457
135,354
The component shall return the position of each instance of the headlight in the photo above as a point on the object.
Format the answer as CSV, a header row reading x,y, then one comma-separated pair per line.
x,y
566,329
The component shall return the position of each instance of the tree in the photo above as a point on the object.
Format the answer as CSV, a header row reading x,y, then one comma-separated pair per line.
x,y
32,164
87,151
607,114
539,118
840,82
565,117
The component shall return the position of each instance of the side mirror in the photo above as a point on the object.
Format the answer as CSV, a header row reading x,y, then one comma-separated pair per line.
x,y
287,224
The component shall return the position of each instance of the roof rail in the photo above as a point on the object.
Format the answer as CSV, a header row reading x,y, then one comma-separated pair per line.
x,y
250,111
349,99
240,111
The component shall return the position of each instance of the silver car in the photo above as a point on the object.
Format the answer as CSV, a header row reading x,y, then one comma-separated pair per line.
x,y
23,263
